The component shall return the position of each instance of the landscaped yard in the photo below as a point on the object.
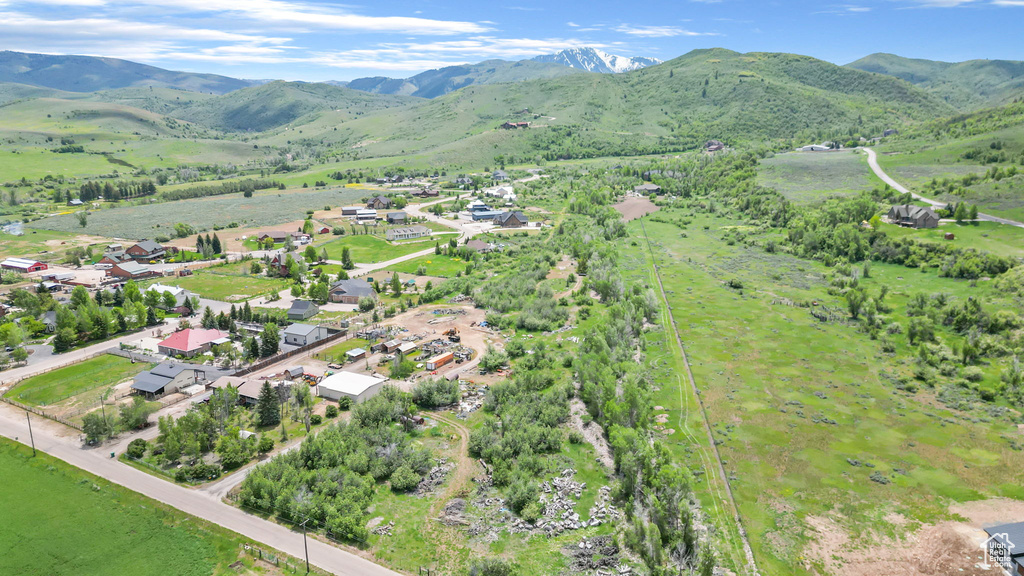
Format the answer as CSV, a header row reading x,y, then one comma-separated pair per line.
x,y
337,352
368,249
59,520
54,386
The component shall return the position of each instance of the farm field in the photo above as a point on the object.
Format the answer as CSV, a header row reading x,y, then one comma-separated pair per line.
x,y
794,401
987,236
812,177
56,385
62,521
369,249
43,243
264,208
227,286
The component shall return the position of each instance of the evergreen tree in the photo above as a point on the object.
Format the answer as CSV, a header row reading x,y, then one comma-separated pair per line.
x,y
973,212
961,213
216,244
208,319
246,312
269,340
199,243
151,317
268,406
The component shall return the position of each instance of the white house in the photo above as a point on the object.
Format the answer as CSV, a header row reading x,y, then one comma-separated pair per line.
x,y
180,294
357,387
303,334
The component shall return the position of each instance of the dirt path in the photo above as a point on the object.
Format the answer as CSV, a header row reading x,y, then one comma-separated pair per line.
x,y
719,468
447,538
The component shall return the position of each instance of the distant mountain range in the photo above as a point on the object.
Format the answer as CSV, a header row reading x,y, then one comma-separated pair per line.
x,y
91,74
594,60
434,83
966,85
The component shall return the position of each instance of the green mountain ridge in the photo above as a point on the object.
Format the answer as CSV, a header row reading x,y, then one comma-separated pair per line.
x,y
434,83
968,85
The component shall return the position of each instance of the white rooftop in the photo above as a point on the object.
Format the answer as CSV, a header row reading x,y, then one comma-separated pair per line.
x,y
349,383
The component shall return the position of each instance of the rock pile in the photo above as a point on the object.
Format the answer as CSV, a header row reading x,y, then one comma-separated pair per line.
x,y
385,529
599,553
434,478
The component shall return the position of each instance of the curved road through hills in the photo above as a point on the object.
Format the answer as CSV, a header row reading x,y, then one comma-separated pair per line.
x,y
873,162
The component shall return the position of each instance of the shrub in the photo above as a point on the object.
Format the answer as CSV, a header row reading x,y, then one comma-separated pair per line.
x,y
973,374
137,448
198,472
520,493
316,419
332,411
344,403
404,479
575,437
266,444
435,392
491,567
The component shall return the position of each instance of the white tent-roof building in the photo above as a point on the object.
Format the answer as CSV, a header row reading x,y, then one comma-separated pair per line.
x,y
358,387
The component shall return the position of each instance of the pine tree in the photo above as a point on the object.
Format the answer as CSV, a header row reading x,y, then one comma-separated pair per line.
x,y
151,316
269,340
268,406
199,243
209,321
216,244
246,313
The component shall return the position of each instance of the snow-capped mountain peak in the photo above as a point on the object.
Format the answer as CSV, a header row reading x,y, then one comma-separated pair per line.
x,y
594,60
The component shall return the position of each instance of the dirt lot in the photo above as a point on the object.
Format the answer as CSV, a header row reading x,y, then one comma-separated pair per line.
x,y
944,548
634,207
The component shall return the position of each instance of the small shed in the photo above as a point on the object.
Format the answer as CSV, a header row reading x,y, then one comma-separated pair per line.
x,y
950,236
355,354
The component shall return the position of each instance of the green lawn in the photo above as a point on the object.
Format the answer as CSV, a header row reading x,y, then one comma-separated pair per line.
x,y
229,287
985,236
54,386
368,249
434,264
337,352
59,520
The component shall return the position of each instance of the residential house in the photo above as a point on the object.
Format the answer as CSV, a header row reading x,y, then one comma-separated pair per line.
x,y
646,189
303,334
477,206
181,296
427,193
485,215
463,180
351,290
170,377
277,236
814,148
366,215
49,319
913,216
407,233
357,387
76,202
379,203
515,125
301,238
479,246
302,309
115,251
248,388
499,175
192,341
396,217
23,265
515,219
890,132
714,145
130,270
146,250
350,210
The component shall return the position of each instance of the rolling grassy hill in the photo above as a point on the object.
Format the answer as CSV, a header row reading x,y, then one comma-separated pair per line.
x,y
271,105
966,85
434,83
676,105
90,74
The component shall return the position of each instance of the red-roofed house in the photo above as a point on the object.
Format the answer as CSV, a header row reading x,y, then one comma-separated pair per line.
x,y
191,341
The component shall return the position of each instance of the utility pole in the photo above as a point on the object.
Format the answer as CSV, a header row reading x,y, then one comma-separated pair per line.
x,y
305,546
31,437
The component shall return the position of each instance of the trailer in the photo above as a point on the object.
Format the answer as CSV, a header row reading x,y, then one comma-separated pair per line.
x,y
440,360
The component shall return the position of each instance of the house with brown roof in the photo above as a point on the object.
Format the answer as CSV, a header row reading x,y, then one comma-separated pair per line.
x,y
515,219
912,216
479,246
276,235
379,203
130,270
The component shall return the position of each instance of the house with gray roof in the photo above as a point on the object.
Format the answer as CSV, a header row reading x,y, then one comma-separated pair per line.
x,y
912,216
350,291
515,219
302,309
170,377
146,250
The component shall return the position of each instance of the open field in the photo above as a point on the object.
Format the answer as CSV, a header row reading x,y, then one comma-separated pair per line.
x,y
987,236
54,386
227,286
434,264
43,244
62,521
815,176
635,207
806,412
264,208
368,249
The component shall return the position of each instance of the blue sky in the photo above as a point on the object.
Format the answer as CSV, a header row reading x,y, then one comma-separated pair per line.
x,y
317,40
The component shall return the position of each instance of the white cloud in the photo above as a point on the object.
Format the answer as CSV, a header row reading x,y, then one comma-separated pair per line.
x,y
659,31
942,3
1008,2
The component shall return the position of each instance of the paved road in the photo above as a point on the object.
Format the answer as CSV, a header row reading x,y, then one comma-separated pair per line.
x,y
873,162
207,506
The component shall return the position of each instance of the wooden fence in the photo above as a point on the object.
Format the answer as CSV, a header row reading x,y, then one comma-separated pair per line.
x,y
286,355
42,413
